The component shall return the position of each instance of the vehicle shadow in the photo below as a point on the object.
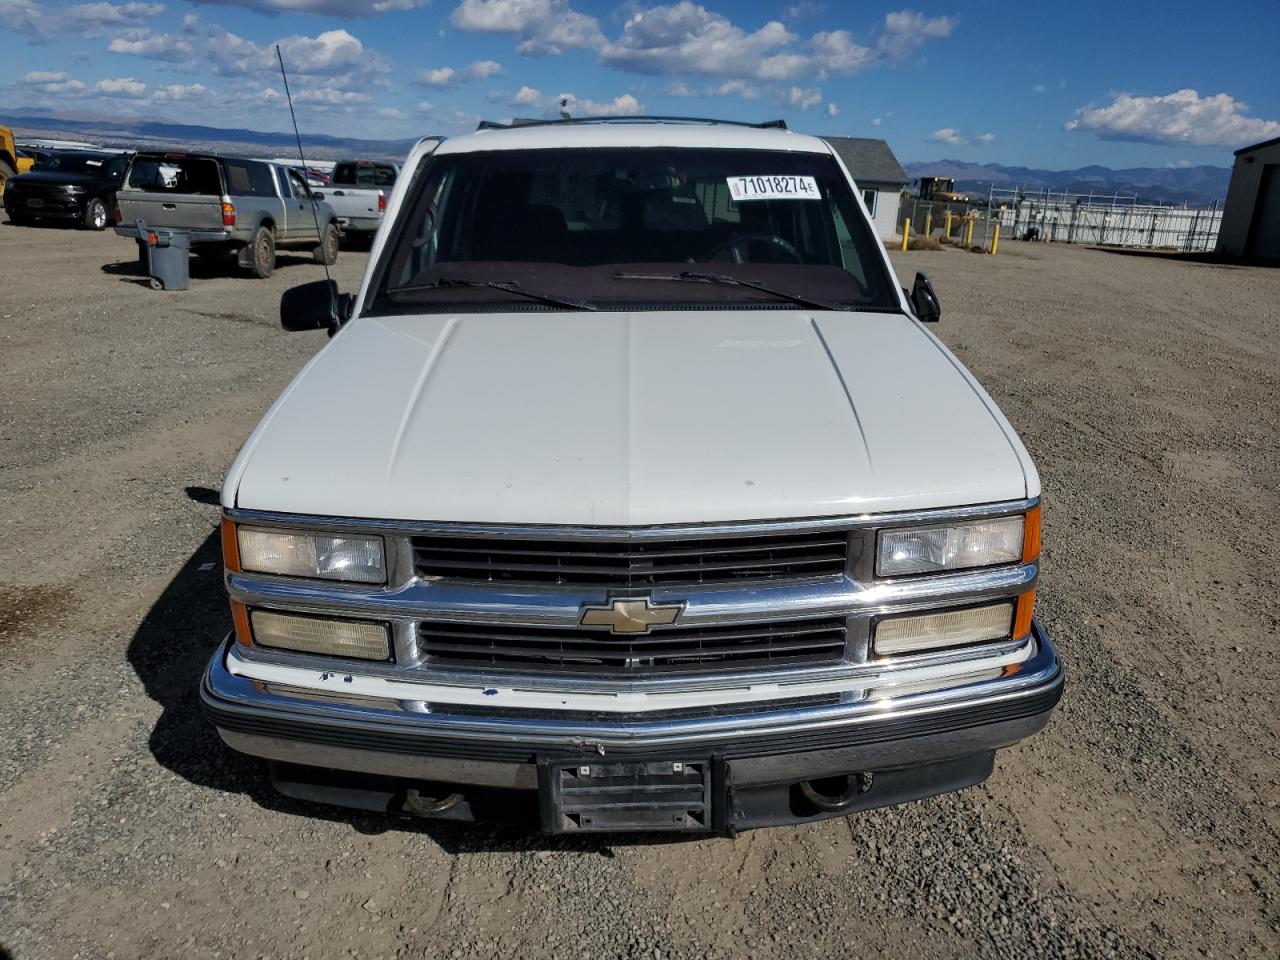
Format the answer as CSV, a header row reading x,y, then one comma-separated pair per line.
x,y
130,267
169,651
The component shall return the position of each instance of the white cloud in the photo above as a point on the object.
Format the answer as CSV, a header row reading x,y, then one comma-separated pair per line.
x,y
449,77
22,16
803,98
832,109
949,135
679,89
334,8
391,113
686,38
545,26
334,55
50,81
905,31
836,52
532,99
527,97
330,96
735,88
88,19
876,121
154,46
624,105
1039,88
985,137
1180,117
180,91
125,87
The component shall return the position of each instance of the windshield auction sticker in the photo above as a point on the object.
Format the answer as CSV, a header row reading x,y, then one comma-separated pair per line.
x,y
773,188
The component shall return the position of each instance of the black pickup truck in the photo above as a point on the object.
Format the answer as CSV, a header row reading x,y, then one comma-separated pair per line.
x,y
68,185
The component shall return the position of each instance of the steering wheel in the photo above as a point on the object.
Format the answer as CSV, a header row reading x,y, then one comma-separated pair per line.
x,y
737,246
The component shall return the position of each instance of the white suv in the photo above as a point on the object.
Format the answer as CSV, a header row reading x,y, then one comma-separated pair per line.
x,y
631,494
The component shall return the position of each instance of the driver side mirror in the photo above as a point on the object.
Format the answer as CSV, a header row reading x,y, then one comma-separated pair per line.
x,y
924,300
315,306
317,195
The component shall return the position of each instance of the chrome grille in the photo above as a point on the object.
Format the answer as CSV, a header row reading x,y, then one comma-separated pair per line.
x,y
668,649
633,562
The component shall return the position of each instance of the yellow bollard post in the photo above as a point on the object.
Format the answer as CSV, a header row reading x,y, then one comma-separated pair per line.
x,y
906,234
968,233
995,240
947,229
928,225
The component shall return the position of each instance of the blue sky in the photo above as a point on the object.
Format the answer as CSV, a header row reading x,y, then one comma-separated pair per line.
x,y
1056,86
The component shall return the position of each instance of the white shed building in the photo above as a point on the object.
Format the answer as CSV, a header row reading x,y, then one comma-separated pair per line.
x,y
878,175
1251,218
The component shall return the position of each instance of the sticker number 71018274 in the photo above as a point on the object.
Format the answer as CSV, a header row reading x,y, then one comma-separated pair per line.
x,y
770,187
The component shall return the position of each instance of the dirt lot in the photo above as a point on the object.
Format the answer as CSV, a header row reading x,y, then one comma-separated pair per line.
x,y
1143,822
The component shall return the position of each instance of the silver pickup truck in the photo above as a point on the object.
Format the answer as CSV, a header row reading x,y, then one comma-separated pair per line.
x,y
358,193
249,208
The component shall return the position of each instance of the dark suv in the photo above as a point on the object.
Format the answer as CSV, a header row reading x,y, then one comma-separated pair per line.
x,y
69,185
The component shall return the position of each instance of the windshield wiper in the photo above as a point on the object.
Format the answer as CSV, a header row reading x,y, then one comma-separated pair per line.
x,y
691,276
507,286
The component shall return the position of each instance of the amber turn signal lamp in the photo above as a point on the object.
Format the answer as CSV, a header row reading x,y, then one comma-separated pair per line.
x,y
240,617
1031,535
230,546
1022,615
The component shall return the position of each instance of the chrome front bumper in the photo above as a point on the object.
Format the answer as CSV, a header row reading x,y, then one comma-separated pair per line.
x,y
868,729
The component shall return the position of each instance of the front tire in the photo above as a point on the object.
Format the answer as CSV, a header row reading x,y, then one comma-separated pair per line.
x,y
327,250
262,253
95,215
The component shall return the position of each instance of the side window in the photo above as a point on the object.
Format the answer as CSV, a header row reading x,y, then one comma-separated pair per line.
x,y
239,183
384,176
299,185
263,186
869,198
848,250
344,173
282,178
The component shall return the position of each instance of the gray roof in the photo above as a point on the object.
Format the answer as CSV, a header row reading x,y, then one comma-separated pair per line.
x,y
870,161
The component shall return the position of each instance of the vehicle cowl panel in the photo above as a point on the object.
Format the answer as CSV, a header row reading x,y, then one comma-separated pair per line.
x,y
616,418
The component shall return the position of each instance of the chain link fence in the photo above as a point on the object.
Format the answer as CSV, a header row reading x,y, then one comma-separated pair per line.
x,y
1070,218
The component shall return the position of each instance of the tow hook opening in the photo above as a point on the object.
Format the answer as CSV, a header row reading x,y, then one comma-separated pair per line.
x,y
833,794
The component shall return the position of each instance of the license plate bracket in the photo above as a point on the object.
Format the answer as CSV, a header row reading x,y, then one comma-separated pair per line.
x,y
596,796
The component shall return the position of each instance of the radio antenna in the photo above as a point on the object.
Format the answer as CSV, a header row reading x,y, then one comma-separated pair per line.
x,y
315,214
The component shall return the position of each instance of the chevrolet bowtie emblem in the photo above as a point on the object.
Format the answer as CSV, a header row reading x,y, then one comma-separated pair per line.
x,y
630,616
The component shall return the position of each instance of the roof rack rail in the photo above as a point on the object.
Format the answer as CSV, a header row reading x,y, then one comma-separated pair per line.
x,y
778,124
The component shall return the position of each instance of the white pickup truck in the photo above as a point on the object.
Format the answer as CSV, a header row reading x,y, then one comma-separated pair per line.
x,y
632,492
358,191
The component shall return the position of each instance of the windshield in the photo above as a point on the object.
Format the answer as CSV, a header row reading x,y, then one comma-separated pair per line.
x,y
624,229
98,164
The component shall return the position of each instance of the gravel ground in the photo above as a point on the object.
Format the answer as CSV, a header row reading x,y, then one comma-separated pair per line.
x,y
1143,822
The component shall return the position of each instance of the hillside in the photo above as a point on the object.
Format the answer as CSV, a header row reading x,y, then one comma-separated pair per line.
x,y
133,132
1200,185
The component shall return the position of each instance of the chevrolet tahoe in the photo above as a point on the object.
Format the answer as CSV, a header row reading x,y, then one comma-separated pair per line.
x,y
631,493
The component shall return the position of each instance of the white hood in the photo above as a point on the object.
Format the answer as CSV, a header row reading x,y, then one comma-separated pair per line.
x,y
629,418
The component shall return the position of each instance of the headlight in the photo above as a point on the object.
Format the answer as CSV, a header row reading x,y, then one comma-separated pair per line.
x,y
338,638
319,555
958,546
938,631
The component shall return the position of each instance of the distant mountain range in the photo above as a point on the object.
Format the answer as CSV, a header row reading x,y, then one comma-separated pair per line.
x,y
1192,185
153,134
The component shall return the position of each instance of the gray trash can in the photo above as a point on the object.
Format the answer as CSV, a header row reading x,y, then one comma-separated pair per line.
x,y
167,255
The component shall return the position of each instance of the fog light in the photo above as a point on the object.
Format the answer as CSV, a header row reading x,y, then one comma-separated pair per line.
x,y
939,631
337,638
